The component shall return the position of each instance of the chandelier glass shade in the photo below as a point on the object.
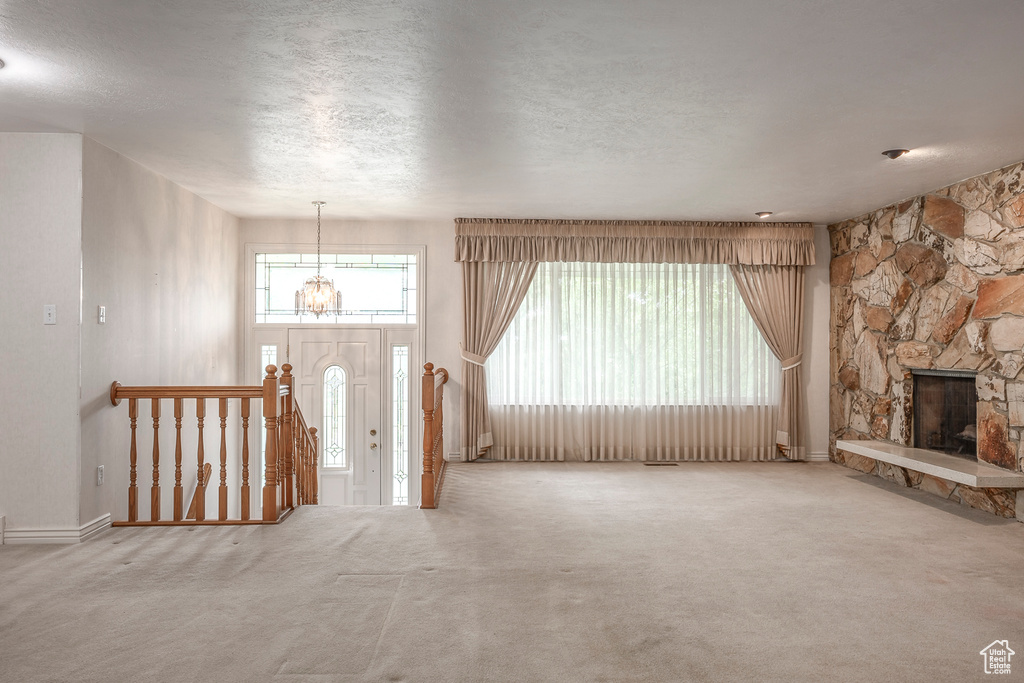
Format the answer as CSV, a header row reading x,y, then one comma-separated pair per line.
x,y
318,295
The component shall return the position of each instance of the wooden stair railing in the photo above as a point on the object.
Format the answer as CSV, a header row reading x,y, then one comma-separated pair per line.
x,y
434,464
291,459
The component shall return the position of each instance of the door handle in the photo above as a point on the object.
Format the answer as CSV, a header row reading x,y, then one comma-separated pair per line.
x,y
373,446
373,432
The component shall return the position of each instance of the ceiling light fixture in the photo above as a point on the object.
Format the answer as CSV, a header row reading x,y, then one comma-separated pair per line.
x,y
763,214
318,295
2,64
895,153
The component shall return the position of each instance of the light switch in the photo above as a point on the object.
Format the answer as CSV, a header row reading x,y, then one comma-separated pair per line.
x,y
102,314
50,314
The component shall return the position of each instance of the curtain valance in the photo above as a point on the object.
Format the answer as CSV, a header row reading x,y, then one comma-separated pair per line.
x,y
512,240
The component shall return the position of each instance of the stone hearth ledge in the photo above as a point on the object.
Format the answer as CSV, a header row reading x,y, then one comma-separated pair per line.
x,y
959,470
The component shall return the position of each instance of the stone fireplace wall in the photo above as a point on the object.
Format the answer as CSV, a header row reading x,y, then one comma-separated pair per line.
x,y
936,281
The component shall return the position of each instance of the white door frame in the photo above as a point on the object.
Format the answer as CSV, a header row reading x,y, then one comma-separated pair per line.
x,y
413,335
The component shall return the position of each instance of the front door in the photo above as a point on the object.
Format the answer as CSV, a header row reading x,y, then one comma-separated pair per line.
x,y
338,376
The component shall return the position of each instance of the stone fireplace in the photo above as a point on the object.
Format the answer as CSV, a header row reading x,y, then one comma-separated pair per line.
x,y
945,405
934,283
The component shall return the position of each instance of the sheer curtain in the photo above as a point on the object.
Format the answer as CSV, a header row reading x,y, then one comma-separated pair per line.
x,y
643,361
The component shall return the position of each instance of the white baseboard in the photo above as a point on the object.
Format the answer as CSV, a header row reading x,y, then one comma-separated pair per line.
x,y
818,457
69,535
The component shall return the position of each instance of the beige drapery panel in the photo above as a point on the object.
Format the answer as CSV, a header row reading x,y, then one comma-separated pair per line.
x,y
499,240
774,295
491,296
492,293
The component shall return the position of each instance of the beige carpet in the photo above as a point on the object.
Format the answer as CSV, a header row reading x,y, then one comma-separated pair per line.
x,y
540,572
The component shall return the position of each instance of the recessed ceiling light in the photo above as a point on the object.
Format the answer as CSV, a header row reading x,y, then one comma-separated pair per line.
x,y
895,153
763,214
2,65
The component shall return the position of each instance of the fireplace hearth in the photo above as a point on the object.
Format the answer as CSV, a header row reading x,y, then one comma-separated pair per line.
x,y
945,412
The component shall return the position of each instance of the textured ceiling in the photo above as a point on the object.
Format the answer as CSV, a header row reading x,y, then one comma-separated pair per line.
x,y
577,108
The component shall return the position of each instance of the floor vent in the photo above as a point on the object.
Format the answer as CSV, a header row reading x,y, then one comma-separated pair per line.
x,y
661,464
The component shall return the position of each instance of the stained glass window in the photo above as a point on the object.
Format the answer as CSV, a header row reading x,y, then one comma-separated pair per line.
x,y
374,288
400,424
332,441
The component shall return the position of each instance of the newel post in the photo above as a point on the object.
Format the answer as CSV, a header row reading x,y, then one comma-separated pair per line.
x,y
427,479
315,472
287,442
270,404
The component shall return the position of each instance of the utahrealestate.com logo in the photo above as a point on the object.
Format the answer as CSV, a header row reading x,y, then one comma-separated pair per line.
x,y
997,657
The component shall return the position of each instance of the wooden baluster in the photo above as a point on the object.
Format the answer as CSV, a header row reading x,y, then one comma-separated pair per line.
x,y
223,460
288,436
315,471
200,497
427,479
245,459
270,403
178,494
133,489
154,494
288,417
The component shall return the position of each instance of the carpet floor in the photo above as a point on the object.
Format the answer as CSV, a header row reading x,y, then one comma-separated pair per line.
x,y
540,572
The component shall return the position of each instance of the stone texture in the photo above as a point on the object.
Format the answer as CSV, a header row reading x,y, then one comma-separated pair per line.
x,y
962,277
836,415
935,303
902,414
881,287
1011,252
1015,404
1007,334
990,387
993,444
880,427
977,336
904,294
999,296
883,406
960,355
869,356
943,216
914,354
934,485
950,323
904,223
841,269
980,225
850,377
925,266
858,236
980,257
864,264
877,318
860,463
1006,183
976,498
971,194
1009,366
1013,213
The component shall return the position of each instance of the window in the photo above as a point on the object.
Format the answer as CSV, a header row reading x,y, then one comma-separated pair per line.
x,y
375,288
400,424
628,334
332,441
642,361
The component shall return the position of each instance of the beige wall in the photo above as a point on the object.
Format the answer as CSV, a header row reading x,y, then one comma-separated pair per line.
x,y
165,265
40,263
816,377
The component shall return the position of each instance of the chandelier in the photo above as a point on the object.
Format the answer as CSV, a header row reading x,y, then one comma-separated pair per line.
x,y
318,295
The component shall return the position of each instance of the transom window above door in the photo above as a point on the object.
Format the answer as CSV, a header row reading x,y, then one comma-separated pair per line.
x,y
374,288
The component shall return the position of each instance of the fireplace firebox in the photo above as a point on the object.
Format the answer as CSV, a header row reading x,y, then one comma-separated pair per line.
x,y
945,412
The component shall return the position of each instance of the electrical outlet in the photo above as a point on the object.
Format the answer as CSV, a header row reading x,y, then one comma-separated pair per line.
x,y
99,475
101,314
50,314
